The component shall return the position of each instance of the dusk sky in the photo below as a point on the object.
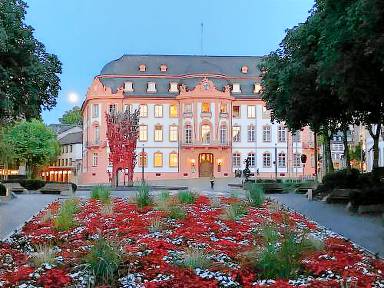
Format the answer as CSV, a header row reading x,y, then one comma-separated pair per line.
x,y
87,34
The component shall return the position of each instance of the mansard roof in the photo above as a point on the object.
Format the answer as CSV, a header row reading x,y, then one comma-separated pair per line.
x,y
222,70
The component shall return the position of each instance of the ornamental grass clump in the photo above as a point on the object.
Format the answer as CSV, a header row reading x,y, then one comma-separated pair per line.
x,y
156,225
176,212
186,197
103,261
143,197
43,254
195,258
234,211
101,193
281,255
255,195
65,219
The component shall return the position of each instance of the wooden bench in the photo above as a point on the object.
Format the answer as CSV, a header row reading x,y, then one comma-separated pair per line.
x,y
270,188
15,187
338,195
303,188
64,189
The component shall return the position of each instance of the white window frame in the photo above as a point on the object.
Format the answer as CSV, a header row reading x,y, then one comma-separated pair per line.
x,y
158,111
251,111
251,133
267,133
143,133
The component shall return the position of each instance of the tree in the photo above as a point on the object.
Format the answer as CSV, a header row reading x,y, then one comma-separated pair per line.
x,y
351,59
29,76
72,117
33,143
7,155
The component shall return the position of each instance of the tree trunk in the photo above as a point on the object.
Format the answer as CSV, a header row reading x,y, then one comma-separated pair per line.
x,y
375,136
328,154
346,150
316,153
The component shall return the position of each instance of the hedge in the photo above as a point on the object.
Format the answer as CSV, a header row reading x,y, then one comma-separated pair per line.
x,y
3,190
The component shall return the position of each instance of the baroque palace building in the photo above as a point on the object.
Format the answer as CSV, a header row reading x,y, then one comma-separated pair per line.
x,y
199,116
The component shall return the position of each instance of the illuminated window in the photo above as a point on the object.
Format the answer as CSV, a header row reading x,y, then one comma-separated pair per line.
x,y
158,159
205,107
173,159
251,133
281,160
267,160
173,111
251,111
173,133
206,134
143,159
158,111
188,134
95,110
143,133
223,108
252,159
95,158
158,133
282,134
236,133
236,160
236,111
267,133
143,110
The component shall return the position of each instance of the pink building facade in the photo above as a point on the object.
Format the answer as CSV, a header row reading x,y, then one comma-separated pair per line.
x,y
199,116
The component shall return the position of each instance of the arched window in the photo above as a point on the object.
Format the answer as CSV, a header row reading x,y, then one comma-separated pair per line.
x,y
236,134
143,110
297,160
158,159
266,160
223,134
188,134
281,160
266,133
252,159
143,159
251,133
173,159
236,160
206,134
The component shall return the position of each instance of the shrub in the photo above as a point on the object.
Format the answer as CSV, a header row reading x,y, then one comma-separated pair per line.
x,y
176,212
3,190
255,195
101,193
143,198
195,258
186,197
65,219
103,260
32,184
342,179
368,196
43,254
234,211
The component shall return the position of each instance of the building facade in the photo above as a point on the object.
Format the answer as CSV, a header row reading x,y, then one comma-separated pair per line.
x,y
199,116
68,166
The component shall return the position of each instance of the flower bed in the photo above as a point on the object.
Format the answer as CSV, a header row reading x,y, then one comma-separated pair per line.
x,y
201,248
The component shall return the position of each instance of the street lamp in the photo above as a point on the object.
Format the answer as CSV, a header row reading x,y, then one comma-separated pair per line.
x,y
142,165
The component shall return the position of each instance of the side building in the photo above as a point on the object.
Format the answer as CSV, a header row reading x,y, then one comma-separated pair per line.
x,y
199,116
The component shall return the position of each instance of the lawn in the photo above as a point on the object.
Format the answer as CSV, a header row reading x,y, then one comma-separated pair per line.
x,y
184,240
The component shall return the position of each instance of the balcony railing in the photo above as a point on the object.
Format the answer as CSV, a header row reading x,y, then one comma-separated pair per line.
x,y
206,114
212,143
187,114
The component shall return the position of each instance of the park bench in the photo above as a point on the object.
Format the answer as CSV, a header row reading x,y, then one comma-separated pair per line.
x,y
270,188
303,188
64,189
338,195
15,188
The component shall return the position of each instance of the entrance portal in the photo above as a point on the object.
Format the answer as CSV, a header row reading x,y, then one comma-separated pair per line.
x,y
205,165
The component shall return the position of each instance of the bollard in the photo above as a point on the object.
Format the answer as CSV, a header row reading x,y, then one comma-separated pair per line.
x,y
309,194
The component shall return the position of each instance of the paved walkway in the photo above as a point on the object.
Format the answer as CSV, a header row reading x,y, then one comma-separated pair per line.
x,y
15,212
366,231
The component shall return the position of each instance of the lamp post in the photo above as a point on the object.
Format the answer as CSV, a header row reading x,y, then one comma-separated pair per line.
x,y
275,161
142,165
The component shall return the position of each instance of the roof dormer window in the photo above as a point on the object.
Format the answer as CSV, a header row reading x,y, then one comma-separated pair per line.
x,y
257,88
142,68
173,87
163,68
128,86
236,88
151,88
244,69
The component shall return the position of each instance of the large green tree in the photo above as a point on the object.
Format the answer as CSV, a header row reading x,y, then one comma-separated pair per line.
x,y
33,143
72,117
29,76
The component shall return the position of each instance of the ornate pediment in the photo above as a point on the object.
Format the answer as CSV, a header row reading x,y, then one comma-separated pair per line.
x,y
205,87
